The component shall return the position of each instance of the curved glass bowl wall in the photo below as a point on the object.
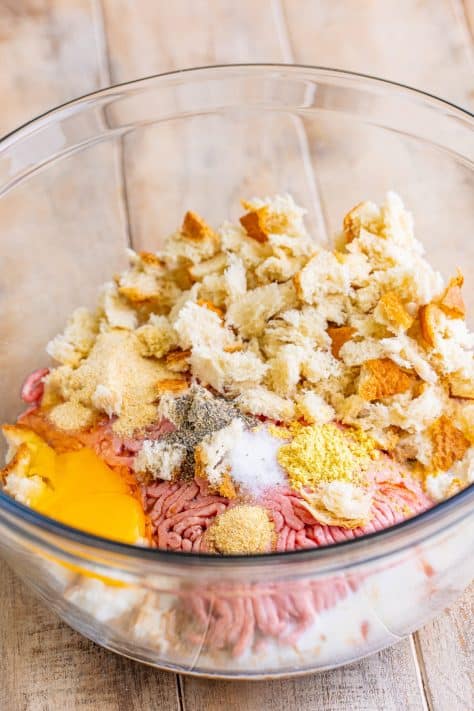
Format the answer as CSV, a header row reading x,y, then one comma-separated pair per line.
x,y
119,168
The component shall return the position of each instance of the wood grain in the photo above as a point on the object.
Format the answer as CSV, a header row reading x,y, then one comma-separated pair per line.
x,y
445,649
243,32
415,43
218,42
49,53
46,666
52,50
385,681
394,39
467,7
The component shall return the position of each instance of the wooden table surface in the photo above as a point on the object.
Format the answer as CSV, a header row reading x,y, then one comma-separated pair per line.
x,y
54,50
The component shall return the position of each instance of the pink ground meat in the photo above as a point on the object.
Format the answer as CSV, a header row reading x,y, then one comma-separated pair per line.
x,y
237,618
33,388
181,512
245,616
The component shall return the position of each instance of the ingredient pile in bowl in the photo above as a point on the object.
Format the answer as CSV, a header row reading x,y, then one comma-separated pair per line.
x,y
246,390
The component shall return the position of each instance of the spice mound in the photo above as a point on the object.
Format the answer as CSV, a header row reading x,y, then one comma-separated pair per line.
x,y
246,390
241,529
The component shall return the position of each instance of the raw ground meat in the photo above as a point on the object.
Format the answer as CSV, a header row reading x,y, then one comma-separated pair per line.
x,y
116,451
181,512
33,388
244,616
247,616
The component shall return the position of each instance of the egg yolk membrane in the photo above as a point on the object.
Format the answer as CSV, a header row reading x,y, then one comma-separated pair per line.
x,y
76,488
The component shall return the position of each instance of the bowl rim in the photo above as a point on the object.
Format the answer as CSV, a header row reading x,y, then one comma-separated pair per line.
x,y
5,139
44,524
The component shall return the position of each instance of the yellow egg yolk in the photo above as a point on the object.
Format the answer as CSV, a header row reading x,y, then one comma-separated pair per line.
x,y
80,490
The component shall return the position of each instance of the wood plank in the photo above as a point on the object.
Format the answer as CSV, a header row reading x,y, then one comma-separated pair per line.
x,y
385,681
397,40
425,45
204,164
67,221
41,42
467,7
50,53
135,51
417,43
46,666
446,649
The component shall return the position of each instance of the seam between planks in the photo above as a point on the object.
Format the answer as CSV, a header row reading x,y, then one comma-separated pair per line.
x,y
101,43
180,681
288,55
467,9
464,14
107,78
283,36
420,668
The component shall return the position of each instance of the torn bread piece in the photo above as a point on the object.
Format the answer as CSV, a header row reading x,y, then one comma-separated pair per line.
x,y
381,378
430,319
313,408
322,276
339,335
117,310
195,228
198,326
452,302
262,401
281,215
250,312
227,372
462,387
365,215
449,444
160,460
391,311
254,223
213,454
194,243
70,347
339,503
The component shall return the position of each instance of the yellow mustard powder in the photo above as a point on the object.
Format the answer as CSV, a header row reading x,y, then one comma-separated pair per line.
x,y
323,453
279,432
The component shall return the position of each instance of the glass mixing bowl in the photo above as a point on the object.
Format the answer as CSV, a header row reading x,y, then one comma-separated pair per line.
x,y
120,167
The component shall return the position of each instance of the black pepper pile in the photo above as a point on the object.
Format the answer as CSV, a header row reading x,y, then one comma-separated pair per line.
x,y
197,414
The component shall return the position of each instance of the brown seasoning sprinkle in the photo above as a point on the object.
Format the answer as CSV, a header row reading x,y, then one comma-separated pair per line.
x,y
242,529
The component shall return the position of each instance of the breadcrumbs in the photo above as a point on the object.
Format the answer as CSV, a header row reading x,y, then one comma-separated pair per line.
x,y
394,310
382,377
254,224
339,335
452,301
449,444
